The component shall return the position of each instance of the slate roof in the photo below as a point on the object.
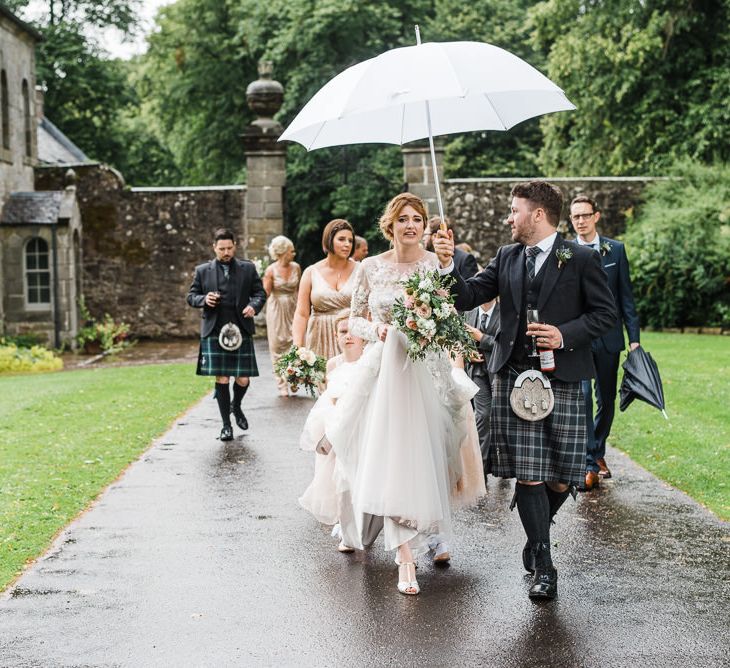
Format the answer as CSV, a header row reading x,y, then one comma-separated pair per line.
x,y
38,208
55,148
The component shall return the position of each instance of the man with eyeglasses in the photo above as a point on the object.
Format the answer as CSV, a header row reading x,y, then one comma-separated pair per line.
x,y
606,349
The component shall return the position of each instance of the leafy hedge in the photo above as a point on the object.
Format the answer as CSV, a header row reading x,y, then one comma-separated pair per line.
x,y
14,359
679,249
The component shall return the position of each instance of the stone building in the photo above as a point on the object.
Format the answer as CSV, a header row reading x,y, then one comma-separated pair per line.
x,y
40,232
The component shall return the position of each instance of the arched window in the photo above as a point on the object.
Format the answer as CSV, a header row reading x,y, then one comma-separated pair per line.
x,y
37,273
5,109
27,120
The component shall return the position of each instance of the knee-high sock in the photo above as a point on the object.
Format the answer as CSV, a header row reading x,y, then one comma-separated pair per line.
x,y
534,509
555,499
223,396
239,392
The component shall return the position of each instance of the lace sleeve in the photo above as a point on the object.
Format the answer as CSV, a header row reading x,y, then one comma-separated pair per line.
x,y
360,324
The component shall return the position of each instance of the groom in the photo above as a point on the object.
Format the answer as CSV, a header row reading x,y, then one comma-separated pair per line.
x,y
568,286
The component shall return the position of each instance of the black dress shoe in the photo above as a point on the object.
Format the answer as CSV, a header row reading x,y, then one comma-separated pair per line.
x,y
227,433
241,420
528,558
544,584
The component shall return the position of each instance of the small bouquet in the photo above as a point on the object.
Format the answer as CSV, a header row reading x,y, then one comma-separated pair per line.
x,y
301,366
426,315
261,263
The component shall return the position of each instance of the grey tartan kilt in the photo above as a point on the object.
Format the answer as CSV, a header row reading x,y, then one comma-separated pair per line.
x,y
214,361
553,449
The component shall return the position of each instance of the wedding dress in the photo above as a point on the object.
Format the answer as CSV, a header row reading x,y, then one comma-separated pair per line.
x,y
398,429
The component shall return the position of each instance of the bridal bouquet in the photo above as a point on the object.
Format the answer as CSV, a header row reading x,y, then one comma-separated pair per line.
x,y
301,366
426,315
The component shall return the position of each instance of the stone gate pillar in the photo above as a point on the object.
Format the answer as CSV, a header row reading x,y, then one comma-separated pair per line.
x,y
418,173
265,165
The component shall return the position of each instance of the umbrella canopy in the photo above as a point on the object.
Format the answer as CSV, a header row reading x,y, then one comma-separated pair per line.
x,y
467,85
642,381
423,91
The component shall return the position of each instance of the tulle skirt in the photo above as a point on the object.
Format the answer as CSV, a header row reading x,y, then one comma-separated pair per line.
x,y
397,436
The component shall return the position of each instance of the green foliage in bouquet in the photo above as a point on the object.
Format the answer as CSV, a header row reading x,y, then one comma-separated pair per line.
x,y
426,315
301,366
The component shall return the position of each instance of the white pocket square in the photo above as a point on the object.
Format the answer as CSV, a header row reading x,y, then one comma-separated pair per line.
x,y
613,264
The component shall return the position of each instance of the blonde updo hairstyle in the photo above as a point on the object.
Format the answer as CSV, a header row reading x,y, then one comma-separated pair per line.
x,y
393,209
279,245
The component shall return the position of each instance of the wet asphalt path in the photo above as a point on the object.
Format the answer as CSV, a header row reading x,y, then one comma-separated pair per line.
x,y
200,556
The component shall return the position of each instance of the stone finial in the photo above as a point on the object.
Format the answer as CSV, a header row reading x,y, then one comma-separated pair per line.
x,y
265,96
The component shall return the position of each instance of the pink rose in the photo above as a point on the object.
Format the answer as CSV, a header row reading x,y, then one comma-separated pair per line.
x,y
411,324
423,310
409,303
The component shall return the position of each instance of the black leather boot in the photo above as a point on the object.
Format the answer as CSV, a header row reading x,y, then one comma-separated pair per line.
x,y
545,582
239,391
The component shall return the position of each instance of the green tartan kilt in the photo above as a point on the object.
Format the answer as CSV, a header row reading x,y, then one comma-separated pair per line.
x,y
214,361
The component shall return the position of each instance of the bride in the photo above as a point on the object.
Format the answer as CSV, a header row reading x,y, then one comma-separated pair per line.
x,y
397,431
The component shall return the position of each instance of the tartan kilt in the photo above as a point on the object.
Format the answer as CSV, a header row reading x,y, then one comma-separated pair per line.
x,y
214,361
551,450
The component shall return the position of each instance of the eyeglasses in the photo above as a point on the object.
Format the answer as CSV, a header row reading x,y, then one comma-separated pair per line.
x,y
582,216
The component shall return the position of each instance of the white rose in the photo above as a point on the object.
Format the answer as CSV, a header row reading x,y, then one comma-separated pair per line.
x,y
309,357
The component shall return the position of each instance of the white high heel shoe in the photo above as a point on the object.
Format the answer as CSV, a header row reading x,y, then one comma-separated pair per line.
x,y
407,583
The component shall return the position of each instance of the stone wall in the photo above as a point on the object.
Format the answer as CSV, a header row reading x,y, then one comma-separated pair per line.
x,y
478,208
17,61
140,245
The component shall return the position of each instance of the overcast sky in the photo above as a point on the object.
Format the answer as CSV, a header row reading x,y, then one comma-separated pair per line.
x,y
111,39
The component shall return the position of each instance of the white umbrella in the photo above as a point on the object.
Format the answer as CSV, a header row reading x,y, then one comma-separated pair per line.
x,y
423,91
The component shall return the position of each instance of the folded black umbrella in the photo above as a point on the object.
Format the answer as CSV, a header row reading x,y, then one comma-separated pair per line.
x,y
642,381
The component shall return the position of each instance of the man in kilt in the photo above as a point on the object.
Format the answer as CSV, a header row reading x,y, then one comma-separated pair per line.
x,y
229,291
567,285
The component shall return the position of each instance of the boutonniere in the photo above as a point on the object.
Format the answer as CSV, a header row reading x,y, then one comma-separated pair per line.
x,y
605,248
563,254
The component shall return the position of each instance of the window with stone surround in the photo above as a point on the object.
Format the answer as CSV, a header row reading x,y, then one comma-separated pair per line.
x,y
37,273
5,110
27,120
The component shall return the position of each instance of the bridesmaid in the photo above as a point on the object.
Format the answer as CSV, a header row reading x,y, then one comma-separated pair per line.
x,y
326,290
281,280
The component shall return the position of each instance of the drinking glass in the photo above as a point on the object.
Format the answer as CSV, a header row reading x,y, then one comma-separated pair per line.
x,y
533,317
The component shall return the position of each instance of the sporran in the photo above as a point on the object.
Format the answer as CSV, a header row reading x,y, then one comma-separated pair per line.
x,y
532,396
230,338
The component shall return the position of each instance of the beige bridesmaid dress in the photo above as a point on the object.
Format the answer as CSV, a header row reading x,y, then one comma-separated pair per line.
x,y
327,305
280,307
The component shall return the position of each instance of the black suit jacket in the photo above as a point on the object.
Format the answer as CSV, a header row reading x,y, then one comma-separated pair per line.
x,y
465,263
249,291
486,345
574,298
616,265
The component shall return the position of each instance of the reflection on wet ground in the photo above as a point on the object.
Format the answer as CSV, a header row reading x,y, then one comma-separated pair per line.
x,y
200,555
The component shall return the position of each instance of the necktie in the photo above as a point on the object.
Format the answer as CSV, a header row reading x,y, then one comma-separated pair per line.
x,y
530,255
483,322
226,270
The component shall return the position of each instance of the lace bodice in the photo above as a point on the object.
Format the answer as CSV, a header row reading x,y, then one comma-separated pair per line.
x,y
376,289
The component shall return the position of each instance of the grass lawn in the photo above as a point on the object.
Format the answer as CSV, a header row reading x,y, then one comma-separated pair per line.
x,y
691,450
65,436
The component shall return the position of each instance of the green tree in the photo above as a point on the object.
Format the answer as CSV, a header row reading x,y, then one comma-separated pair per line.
x,y
504,24
679,246
650,80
